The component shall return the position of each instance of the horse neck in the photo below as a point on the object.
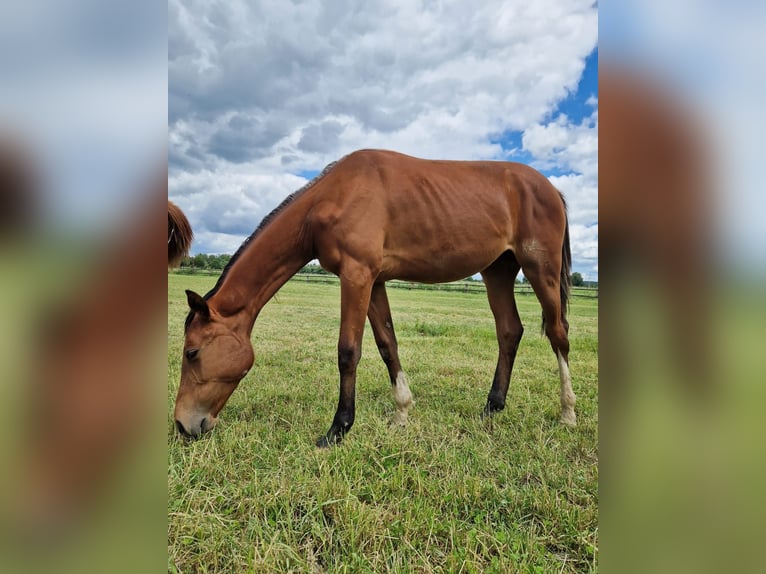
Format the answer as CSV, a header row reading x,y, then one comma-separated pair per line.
x,y
271,258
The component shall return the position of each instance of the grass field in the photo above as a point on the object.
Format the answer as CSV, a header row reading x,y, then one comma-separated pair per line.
x,y
450,493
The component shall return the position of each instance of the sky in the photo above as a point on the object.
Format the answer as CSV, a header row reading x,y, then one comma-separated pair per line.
x,y
85,92
709,55
262,95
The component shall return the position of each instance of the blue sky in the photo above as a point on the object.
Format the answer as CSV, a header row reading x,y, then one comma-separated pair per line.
x,y
574,106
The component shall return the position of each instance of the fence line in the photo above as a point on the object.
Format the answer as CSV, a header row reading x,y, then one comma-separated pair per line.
x,y
458,286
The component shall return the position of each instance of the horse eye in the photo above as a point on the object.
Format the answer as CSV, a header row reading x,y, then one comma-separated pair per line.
x,y
191,353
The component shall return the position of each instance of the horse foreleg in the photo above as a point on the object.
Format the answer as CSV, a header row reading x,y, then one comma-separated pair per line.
x,y
379,314
354,302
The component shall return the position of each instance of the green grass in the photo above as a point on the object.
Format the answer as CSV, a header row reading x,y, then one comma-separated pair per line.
x,y
450,493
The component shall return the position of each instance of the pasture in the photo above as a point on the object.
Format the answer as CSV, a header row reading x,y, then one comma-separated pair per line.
x,y
450,493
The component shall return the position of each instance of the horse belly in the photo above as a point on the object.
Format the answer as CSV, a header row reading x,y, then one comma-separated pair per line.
x,y
440,263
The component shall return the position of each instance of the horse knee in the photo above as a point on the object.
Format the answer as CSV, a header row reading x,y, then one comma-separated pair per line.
x,y
385,352
510,336
515,334
348,357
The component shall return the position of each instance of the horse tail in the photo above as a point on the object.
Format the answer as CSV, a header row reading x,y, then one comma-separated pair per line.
x,y
180,235
565,279
566,268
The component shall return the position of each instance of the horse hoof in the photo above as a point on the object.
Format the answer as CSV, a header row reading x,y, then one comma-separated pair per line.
x,y
323,442
327,441
399,421
490,410
568,419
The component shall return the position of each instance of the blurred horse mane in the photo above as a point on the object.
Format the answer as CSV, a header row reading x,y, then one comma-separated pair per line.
x,y
180,235
19,188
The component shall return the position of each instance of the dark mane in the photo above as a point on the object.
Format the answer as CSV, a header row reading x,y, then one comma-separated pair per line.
x,y
266,220
180,235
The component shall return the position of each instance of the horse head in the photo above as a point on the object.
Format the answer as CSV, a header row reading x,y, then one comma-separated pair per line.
x,y
216,357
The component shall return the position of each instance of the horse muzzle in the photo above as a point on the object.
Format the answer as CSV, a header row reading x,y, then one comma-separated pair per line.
x,y
196,428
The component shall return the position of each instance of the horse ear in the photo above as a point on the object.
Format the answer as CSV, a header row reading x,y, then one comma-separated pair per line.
x,y
197,303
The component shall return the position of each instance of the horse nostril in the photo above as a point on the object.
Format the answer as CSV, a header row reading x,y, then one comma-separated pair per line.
x,y
202,425
181,429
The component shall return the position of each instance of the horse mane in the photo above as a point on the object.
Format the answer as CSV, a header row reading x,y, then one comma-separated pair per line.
x,y
19,188
180,235
264,222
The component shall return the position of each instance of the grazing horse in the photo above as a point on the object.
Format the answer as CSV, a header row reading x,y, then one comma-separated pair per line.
x,y
180,235
368,218
656,222
91,382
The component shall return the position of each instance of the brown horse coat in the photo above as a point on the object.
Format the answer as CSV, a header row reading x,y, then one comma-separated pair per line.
x,y
375,216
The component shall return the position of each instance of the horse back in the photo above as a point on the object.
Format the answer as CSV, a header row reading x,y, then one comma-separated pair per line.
x,y
429,220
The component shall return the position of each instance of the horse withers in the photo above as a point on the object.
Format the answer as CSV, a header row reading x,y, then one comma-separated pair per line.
x,y
371,217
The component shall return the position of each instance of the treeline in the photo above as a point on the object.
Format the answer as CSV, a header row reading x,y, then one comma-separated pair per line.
x,y
205,261
214,262
578,281
218,262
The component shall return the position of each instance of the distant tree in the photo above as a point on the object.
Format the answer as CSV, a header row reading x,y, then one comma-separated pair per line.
x,y
199,261
314,269
577,279
216,262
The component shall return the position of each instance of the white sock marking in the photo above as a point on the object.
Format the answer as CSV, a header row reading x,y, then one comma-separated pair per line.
x,y
568,398
402,398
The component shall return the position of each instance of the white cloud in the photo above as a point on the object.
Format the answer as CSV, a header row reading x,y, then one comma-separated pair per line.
x,y
584,241
229,201
562,144
273,88
573,149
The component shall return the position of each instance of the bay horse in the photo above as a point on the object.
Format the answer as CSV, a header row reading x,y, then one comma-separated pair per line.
x,y
656,222
370,217
91,382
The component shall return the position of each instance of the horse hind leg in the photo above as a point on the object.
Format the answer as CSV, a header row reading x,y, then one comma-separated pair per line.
x,y
499,281
545,280
568,398
382,325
